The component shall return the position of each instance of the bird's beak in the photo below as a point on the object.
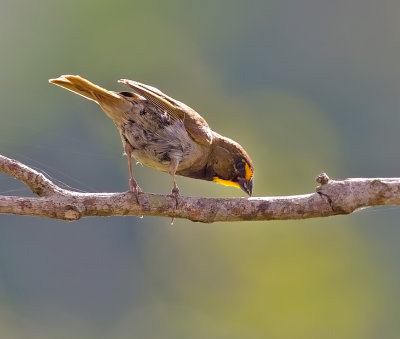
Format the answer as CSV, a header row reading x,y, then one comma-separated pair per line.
x,y
246,185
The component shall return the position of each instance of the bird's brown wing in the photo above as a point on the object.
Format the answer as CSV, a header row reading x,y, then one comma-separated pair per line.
x,y
194,124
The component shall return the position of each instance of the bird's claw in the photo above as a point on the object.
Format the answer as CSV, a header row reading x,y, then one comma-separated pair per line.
x,y
134,188
175,191
174,194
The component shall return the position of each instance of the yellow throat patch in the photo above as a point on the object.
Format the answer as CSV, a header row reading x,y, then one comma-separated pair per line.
x,y
226,182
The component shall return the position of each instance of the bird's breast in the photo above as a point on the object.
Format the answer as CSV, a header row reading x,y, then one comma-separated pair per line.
x,y
156,138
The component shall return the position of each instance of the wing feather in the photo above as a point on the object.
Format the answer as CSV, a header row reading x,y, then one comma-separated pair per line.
x,y
194,123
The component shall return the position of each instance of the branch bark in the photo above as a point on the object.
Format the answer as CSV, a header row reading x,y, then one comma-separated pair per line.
x,y
332,197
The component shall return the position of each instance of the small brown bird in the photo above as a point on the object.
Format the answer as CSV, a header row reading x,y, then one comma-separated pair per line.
x,y
164,133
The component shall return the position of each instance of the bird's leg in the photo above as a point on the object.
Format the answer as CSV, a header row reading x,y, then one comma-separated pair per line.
x,y
173,166
133,186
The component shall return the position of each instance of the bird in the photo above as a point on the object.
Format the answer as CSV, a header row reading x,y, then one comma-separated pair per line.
x,y
166,134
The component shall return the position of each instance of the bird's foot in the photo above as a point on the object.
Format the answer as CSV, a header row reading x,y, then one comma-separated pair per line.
x,y
134,188
175,194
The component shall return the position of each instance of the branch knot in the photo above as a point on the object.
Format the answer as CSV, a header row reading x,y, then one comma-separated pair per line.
x,y
322,178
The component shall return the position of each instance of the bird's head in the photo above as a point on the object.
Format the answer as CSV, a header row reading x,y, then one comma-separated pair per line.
x,y
230,165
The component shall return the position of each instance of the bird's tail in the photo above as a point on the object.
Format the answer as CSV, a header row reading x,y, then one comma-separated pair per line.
x,y
106,99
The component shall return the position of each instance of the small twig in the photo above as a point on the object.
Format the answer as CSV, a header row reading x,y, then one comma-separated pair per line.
x,y
332,197
36,181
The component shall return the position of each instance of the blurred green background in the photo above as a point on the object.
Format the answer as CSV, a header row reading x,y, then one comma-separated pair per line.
x,y
304,85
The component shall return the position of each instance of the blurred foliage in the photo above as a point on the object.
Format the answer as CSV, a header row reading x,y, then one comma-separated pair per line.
x,y
306,86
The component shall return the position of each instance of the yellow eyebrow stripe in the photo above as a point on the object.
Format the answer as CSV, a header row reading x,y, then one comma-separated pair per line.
x,y
248,171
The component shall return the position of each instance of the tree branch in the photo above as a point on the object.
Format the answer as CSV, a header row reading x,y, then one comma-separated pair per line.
x,y
332,197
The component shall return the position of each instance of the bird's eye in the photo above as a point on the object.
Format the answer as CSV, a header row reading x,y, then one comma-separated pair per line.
x,y
240,165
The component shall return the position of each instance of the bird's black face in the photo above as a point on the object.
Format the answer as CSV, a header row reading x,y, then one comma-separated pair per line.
x,y
230,165
244,176
241,176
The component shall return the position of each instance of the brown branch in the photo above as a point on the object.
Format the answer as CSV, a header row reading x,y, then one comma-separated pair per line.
x,y
332,197
36,181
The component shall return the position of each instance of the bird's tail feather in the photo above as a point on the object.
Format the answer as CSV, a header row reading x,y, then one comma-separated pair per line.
x,y
89,90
